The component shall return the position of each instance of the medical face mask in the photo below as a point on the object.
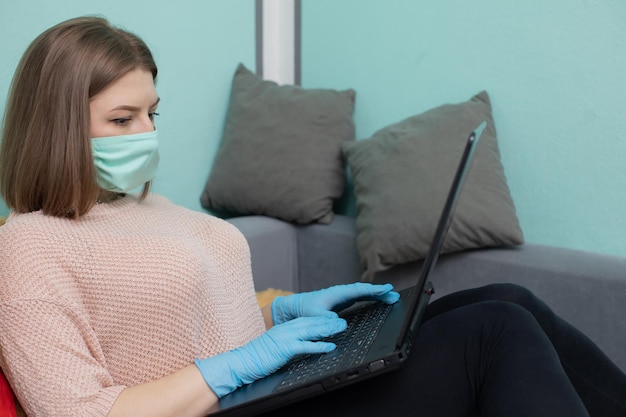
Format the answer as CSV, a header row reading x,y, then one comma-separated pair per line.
x,y
125,162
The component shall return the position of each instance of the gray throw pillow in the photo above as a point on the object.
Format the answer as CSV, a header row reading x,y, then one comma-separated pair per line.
x,y
280,153
403,173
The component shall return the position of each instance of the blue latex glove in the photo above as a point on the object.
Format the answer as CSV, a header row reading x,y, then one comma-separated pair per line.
x,y
267,353
325,302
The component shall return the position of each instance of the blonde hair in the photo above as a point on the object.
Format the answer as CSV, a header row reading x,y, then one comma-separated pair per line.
x,y
45,152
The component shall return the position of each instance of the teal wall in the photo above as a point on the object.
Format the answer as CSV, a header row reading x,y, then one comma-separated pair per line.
x,y
197,45
554,71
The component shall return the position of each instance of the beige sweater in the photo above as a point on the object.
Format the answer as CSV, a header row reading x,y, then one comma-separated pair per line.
x,y
127,294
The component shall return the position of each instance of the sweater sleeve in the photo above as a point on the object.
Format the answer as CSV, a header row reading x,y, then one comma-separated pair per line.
x,y
49,352
68,377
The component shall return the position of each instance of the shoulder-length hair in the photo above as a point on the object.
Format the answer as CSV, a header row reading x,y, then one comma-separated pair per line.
x,y
46,161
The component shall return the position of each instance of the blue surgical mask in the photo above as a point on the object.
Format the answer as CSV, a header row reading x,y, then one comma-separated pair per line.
x,y
125,162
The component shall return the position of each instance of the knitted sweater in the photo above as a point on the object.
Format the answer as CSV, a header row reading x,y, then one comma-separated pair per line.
x,y
128,293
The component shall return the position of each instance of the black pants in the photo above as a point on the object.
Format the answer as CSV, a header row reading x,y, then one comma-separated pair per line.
x,y
492,351
599,383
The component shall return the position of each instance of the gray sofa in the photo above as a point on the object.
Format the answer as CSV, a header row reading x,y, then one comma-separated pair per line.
x,y
587,289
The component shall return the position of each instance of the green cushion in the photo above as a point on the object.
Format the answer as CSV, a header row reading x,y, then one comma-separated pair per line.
x,y
403,173
280,153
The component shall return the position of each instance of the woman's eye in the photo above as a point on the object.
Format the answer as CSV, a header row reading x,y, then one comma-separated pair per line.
x,y
121,121
152,115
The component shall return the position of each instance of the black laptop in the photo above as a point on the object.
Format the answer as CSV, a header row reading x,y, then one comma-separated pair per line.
x,y
378,339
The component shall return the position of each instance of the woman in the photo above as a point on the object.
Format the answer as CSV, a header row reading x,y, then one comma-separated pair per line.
x,y
116,304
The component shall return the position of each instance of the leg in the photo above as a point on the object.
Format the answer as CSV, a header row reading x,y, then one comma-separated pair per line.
x,y
487,359
599,383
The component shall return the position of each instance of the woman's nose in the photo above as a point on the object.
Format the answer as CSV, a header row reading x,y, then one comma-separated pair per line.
x,y
146,124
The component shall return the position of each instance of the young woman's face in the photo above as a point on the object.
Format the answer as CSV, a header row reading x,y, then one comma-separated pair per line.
x,y
125,107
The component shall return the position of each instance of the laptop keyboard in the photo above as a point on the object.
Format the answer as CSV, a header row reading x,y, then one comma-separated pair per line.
x,y
352,346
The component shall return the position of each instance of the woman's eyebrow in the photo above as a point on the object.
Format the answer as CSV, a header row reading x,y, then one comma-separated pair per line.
x,y
135,108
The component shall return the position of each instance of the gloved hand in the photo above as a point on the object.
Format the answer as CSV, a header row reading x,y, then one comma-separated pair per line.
x,y
267,353
323,302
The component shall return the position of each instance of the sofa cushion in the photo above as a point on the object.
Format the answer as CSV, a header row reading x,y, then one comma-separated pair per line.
x,y
9,406
267,295
280,153
402,175
327,254
273,249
